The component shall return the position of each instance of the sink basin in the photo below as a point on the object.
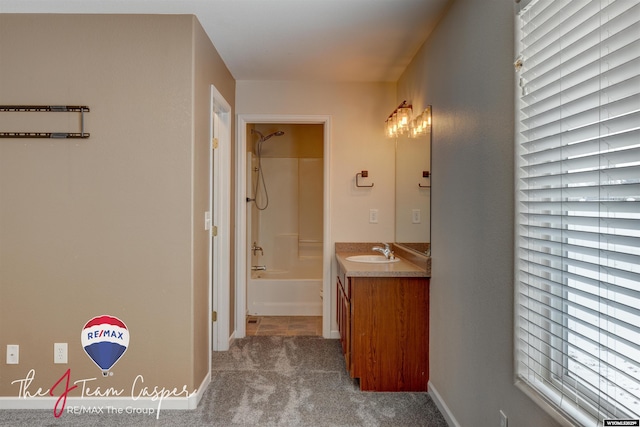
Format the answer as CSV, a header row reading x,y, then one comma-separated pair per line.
x,y
373,259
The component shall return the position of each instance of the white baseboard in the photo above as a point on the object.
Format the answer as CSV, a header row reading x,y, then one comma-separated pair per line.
x,y
232,338
185,403
195,398
442,406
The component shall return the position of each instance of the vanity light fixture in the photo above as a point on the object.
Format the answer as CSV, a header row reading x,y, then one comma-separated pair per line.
x,y
400,122
421,124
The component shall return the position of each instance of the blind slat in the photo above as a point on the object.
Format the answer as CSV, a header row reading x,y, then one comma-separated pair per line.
x,y
580,84
570,22
602,209
580,272
539,241
557,160
610,94
582,112
617,32
610,176
552,228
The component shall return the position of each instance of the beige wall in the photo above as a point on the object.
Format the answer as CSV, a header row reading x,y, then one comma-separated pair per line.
x,y
209,69
465,70
111,224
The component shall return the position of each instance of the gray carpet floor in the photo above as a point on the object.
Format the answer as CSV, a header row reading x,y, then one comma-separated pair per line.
x,y
271,381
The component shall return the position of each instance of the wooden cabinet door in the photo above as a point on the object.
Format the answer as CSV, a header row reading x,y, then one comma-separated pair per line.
x,y
390,339
343,309
346,309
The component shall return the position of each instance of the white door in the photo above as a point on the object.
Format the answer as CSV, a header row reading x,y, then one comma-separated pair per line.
x,y
220,202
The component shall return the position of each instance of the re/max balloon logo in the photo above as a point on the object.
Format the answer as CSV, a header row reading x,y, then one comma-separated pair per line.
x,y
103,333
105,339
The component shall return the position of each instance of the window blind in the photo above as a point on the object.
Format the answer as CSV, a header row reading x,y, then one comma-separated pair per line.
x,y
578,207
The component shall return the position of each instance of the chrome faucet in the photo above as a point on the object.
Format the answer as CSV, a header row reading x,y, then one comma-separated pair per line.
x,y
259,267
255,248
386,251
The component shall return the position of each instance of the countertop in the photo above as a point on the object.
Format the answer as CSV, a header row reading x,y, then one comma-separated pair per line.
x,y
408,266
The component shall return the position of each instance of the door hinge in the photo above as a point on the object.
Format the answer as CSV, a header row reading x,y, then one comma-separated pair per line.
x,y
214,143
214,231
214,316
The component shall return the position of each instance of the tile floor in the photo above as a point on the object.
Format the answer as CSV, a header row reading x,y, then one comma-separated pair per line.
x,y
284,325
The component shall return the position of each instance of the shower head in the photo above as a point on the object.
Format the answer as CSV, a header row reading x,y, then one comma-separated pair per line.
x,y
264,138
277,133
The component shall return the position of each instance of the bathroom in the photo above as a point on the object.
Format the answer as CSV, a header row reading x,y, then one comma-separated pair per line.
x,y
285,180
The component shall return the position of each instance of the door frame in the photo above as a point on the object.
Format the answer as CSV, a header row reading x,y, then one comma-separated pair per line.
x,y
220,209
242,253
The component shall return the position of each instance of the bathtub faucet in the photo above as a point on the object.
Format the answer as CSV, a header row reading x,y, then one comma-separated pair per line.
x,y
255,248
259,267
387,252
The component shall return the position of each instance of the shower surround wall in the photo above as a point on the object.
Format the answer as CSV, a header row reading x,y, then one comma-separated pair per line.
x,y
290,229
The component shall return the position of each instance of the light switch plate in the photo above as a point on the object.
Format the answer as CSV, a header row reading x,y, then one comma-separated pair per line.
x,y
207,220
373,216
415,216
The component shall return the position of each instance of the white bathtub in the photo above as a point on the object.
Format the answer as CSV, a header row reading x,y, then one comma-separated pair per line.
x,y
284,293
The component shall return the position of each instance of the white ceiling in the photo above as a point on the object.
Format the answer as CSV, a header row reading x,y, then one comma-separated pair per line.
x,y
336,40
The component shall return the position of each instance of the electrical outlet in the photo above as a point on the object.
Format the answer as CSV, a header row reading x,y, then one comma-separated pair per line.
x,y
13,354
60,352
415,216
503,419
373,216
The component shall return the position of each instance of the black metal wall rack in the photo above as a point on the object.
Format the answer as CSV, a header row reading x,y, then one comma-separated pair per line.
x,y
47,108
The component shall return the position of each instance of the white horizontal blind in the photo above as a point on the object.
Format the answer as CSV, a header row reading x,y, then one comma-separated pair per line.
x,y
578,206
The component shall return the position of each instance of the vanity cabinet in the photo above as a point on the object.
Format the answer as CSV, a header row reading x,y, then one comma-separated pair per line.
x,y
384,331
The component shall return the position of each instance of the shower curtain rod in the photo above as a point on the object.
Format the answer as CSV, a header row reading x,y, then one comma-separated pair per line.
x,y
47,108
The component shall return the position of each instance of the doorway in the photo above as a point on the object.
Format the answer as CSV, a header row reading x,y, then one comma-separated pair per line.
x,y
284,219
245,247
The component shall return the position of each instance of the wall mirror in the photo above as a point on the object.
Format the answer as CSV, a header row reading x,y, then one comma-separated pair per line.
x,y
413,192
